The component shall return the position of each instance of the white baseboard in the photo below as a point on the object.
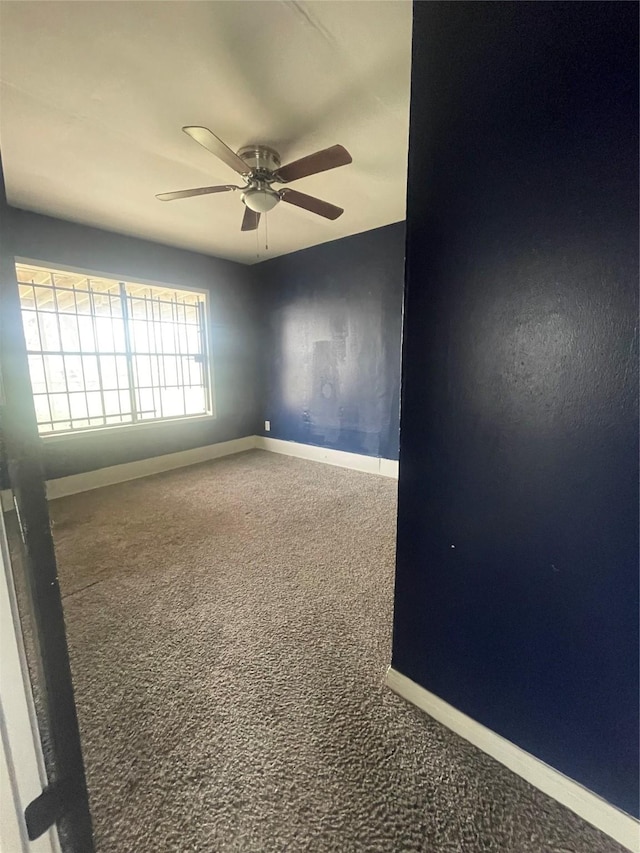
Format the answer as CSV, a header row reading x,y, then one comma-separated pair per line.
x,y
589,806
339,458
389,468
63,486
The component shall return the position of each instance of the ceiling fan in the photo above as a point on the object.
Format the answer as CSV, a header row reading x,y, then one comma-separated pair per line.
x,y
260,167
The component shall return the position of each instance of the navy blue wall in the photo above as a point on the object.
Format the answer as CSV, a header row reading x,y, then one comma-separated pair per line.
x,y
236,323
310,341
334,315
517,564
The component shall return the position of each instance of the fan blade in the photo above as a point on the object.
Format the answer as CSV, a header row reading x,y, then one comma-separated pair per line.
x,y
191,193
250,220
309,202
321,161
216,146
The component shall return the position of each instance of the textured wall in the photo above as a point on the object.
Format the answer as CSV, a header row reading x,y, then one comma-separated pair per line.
x,y
517,572
235,337
310,341
332,359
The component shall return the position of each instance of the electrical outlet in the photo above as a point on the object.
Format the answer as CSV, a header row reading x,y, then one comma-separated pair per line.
x,y
267,426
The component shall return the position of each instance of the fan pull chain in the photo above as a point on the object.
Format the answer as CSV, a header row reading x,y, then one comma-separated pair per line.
x,y
257,244
266,233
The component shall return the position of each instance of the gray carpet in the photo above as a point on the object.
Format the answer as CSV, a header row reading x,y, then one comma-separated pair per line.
x,y
229,629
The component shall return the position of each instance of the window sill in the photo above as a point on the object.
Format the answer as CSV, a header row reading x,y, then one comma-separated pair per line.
x,y
112,429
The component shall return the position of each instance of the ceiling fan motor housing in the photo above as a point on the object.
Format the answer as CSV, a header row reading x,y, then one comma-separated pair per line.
x,y
260,158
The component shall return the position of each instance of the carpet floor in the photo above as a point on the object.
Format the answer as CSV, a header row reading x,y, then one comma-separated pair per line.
x,y
229,627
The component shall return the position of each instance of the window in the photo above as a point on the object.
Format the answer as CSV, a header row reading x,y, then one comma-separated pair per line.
x,y
105,352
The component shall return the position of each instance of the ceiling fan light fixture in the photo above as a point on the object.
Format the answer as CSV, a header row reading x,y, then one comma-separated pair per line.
x,y
260,200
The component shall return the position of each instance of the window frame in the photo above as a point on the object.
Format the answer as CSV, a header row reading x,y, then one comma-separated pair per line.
x,y
65,435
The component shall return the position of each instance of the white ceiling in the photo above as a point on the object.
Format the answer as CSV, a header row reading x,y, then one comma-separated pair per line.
x,y
94,95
